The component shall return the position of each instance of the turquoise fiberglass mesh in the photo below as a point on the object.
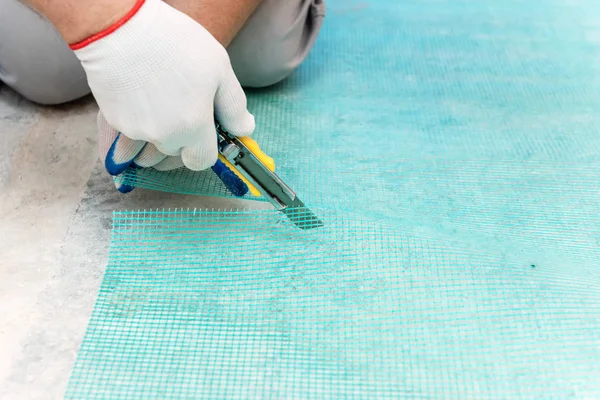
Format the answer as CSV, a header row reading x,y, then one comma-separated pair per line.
x,y
452,149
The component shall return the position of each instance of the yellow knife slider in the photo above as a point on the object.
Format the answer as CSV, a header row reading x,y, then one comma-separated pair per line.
x,y
258,153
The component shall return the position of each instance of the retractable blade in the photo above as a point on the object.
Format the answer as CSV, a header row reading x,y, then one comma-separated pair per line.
x,y
267,182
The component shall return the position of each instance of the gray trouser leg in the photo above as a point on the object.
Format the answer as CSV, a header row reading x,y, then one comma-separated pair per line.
x,y
34,60
37,63
275,40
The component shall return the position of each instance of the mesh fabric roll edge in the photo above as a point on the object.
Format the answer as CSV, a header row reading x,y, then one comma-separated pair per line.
x,y
452,151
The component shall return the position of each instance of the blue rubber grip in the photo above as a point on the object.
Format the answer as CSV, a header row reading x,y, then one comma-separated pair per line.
x,y
235,185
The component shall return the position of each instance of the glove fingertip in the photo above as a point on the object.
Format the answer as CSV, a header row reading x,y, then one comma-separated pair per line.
x,y
243,125
201,157
115,169
110,164
125,188
200,164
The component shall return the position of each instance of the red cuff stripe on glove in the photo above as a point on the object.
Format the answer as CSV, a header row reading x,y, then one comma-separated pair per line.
x,y
110,29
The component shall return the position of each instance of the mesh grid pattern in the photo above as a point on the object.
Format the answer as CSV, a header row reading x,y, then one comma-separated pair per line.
x,y
452,149
361,310
180,180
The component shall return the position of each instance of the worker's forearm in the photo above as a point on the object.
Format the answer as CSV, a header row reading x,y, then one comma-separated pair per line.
x,y
79,19
222,18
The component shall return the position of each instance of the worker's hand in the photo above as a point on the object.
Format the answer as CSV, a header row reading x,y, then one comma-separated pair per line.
x,y
162,78
119,153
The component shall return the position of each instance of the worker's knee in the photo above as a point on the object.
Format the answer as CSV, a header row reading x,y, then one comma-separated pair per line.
x,y
34,60
37,63
46,87
275,40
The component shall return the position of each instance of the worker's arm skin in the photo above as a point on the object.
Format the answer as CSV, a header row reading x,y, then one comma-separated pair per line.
x,y
222,18
78,19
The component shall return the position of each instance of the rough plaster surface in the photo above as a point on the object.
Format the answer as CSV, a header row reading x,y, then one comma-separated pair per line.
x,y
56,207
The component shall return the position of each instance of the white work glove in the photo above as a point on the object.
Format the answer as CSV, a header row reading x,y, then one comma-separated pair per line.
x,y
162,78
119,153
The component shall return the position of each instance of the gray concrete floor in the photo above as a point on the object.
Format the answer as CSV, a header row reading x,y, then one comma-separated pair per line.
x,y
56,206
